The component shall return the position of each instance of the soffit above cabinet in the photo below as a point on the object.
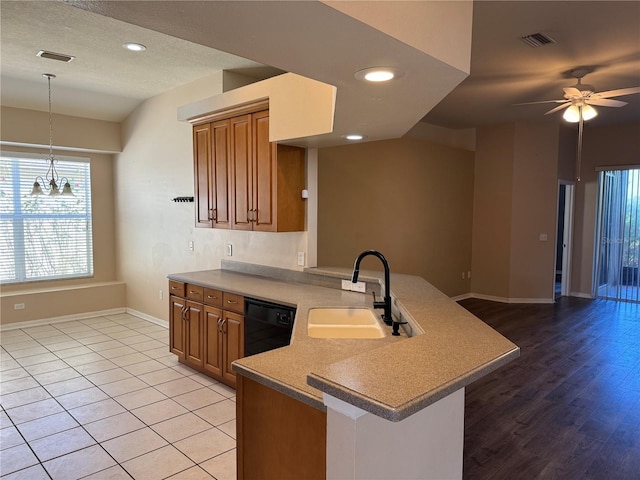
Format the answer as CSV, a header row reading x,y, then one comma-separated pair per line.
x,y
299,108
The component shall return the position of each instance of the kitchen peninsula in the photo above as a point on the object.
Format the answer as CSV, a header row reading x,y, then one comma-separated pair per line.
x,y
404,394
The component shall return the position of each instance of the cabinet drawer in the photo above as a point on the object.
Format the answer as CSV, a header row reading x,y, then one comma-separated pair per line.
x,y
176,288
212,297
195,292
233,302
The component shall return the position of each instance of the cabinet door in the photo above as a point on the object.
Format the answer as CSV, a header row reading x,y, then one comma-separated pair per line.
x,y
220,168
193,347
233,329
241,202
202,174
176,326
213,340
264,174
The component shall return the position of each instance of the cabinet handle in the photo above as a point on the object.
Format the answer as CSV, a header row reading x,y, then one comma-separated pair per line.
x,y
254,215
219,327
214,215
184,313
222,324
174,288
192,291
211,297
232,302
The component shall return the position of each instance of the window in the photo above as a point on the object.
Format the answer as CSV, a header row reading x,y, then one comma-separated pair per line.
x,y
42,237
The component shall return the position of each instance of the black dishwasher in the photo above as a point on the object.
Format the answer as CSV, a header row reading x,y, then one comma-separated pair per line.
x,y
267,326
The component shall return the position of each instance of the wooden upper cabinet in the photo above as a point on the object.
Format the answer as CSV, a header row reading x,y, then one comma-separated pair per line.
x,y
264,174
250,183
241,157
202,174
221,171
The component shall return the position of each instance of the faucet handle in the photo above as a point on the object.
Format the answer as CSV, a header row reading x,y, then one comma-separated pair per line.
x,y
377,303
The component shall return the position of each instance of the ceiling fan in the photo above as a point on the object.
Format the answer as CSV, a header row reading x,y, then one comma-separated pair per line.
x,y
579,100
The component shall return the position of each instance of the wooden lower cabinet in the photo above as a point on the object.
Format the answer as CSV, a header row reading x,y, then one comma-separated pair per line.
x,y
232,344
213,341
193,334
176,326
185,331
205,337
278,437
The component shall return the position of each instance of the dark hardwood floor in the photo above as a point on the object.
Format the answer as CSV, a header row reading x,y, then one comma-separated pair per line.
x,y
569,407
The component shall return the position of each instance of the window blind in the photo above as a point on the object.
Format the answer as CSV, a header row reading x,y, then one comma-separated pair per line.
x,y
44,237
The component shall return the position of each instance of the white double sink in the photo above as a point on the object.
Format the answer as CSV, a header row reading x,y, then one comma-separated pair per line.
x,y
347,322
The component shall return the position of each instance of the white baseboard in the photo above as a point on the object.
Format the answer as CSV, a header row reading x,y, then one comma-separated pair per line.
x,y
492,298
62,319
465,296
582,295
83,316
148,318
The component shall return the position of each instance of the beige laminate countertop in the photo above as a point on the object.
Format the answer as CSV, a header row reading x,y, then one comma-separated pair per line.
x,y
392,377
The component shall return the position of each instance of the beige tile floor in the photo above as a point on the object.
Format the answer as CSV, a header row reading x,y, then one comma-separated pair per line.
x,y
103,398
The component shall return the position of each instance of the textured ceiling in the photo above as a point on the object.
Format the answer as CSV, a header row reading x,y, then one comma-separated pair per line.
x,y
604,36
106,81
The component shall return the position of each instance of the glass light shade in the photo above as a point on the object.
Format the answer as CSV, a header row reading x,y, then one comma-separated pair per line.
x,y
54,189
37,189
572,114
354,136
588,112
66,190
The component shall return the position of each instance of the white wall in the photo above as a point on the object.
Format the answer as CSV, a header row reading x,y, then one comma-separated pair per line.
x,y
152,232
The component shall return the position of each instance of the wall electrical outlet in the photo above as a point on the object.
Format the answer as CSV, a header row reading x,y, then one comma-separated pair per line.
x,y
18,306
159,294
229,250
191,245
346,285
301,259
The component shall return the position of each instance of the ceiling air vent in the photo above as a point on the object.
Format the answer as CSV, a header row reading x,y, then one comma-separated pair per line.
x,y
61,57
536,40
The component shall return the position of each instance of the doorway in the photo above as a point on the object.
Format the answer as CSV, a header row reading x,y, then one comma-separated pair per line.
x,y
564,239
616,275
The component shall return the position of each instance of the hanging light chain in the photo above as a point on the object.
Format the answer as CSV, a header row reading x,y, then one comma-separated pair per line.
x,y
51,177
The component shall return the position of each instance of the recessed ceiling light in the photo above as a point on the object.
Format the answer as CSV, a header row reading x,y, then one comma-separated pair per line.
x,y
134,47
354,136
378,74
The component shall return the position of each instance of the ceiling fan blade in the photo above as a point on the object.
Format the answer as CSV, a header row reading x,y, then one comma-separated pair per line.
x,y
572,92
604,102
558,108
543,101
617,93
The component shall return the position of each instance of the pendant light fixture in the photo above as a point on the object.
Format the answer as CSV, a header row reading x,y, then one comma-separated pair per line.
x,y
51,178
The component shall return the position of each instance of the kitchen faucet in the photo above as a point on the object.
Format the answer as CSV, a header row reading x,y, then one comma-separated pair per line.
x,y
386,304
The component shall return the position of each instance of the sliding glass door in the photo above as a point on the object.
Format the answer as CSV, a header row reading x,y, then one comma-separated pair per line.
x,y
618,236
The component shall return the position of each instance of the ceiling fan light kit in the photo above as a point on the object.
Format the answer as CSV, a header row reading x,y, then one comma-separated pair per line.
x,y
578,104
574,112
